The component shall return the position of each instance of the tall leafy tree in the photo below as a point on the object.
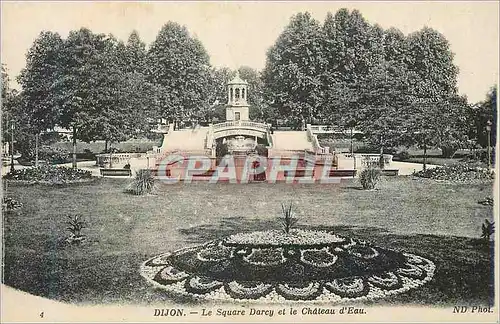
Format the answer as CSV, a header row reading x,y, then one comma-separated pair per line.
x,y
38,80
479,116
138,96
430,60
37,104
255,92
353,51
386,93
217,90
292,82
89,86
179,65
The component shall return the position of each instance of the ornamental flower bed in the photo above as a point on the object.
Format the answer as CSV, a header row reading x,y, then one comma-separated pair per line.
x,y
459,172
49,174
301,266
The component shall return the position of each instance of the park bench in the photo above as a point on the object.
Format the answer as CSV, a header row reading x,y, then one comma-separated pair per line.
x,y
390,172
116,172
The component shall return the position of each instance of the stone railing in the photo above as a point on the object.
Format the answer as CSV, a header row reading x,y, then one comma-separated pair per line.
x,y
371,159
118,159
328,129
311,137
241,123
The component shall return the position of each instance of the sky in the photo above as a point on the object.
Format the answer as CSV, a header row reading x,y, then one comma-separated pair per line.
x,y
239,33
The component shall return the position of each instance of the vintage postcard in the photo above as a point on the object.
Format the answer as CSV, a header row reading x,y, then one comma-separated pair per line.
x,y
213,162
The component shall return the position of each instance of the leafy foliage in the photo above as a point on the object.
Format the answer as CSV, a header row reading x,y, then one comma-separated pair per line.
x,y
144,182
293,68
369,178
460,172
76,224
488,229
50,174
287,220
179,66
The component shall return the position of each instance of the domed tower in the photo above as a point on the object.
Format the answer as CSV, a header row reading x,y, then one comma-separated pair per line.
x,y
237,105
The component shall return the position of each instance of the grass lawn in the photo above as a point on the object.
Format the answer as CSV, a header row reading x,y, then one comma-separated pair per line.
x,y
438,221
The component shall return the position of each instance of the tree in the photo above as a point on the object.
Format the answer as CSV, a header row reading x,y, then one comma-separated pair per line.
x,y
138,97
7,114
292,82
217,93
353,50
179,65
38,104
89,88
482,113
255,92
433,90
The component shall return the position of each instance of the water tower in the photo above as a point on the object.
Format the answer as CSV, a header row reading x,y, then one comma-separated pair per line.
x,y
237,105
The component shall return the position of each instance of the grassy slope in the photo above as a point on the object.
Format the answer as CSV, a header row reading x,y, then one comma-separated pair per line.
x,y
125,230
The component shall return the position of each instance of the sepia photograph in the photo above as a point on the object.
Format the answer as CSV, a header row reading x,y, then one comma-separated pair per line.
x,y
249,161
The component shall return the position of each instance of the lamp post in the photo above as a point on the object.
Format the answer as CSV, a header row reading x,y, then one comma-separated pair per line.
x,y
488,133
12,146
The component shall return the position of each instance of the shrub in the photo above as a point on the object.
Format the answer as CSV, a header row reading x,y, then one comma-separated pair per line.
x,y
47,173
287,221
369,178
487,230
75,225
144,182
402,156
127,166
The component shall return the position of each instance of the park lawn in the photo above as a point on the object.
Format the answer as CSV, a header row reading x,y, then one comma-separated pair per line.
x,y
436,220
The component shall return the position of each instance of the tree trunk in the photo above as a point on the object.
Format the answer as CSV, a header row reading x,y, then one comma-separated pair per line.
x,y
110,156
425,156
36,149
381,159
74,147
105,146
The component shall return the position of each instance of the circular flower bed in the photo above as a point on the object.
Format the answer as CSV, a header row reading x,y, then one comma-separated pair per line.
x,y
300,266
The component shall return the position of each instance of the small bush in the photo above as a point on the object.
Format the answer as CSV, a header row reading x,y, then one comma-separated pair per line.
x,y
75,225
51,174
369,178
144,182
402,156
488,229
287,221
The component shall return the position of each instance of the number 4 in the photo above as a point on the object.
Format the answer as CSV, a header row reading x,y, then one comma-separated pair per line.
x,y
41,314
